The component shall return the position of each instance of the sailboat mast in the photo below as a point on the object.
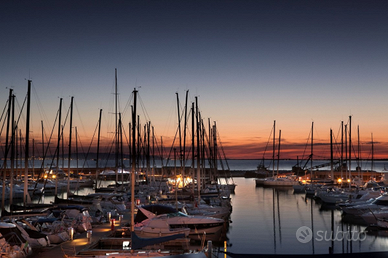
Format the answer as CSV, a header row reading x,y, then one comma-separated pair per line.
x,y
312,150
148,156
27,143
116,131
161,154
33,157
273,150
153,154
133,162
202,131
138,142
215,151
211,159
280,134
192,145
69,157
41,121
16,151
120,148
331,155
373,153
346,150
176,181
184,140
12,149
359,152
6,148
98,140
198,150
58,143
179,130
342,148
350,151
76,149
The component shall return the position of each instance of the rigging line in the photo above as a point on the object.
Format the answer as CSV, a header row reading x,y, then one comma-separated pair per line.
x,y
41,170
91,142
83,152
39,104
113,140
1,118
305,147
335,146
62,130
79,116
125,136
21,109
109,152
170,115
266,146
127,105
143,108
172,147
222,149
6,148
206,141
109,124
1,132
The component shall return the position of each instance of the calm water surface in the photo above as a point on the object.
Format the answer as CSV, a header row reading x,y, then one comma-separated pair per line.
x,y
266,220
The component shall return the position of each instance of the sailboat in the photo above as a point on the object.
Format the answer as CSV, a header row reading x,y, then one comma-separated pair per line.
x,y
12,243
284,180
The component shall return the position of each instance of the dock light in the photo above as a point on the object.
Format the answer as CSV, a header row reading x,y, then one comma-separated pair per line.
x,y
225,250
339,180
121,218
89,235
71,233
348,180
54,176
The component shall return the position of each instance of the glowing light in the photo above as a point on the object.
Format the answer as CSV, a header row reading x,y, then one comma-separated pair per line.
x,y
180,181
71,233
339,180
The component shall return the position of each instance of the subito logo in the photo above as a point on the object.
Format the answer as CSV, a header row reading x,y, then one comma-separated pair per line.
x,y
304,234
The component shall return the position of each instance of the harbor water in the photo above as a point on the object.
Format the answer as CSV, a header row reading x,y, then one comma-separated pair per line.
x,y
273,220
267,220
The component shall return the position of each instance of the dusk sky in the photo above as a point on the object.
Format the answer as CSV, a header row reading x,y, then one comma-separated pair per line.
x,y
248,62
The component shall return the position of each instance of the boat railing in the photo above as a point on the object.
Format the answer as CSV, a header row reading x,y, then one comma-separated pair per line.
x,y
12,239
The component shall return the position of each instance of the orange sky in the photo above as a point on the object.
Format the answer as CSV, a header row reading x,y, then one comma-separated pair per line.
x,y
244,147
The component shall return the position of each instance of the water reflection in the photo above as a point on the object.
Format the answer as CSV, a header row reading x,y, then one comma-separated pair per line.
x,y
266,221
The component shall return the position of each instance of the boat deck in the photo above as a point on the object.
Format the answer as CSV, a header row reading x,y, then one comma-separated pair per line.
x,y
80,241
